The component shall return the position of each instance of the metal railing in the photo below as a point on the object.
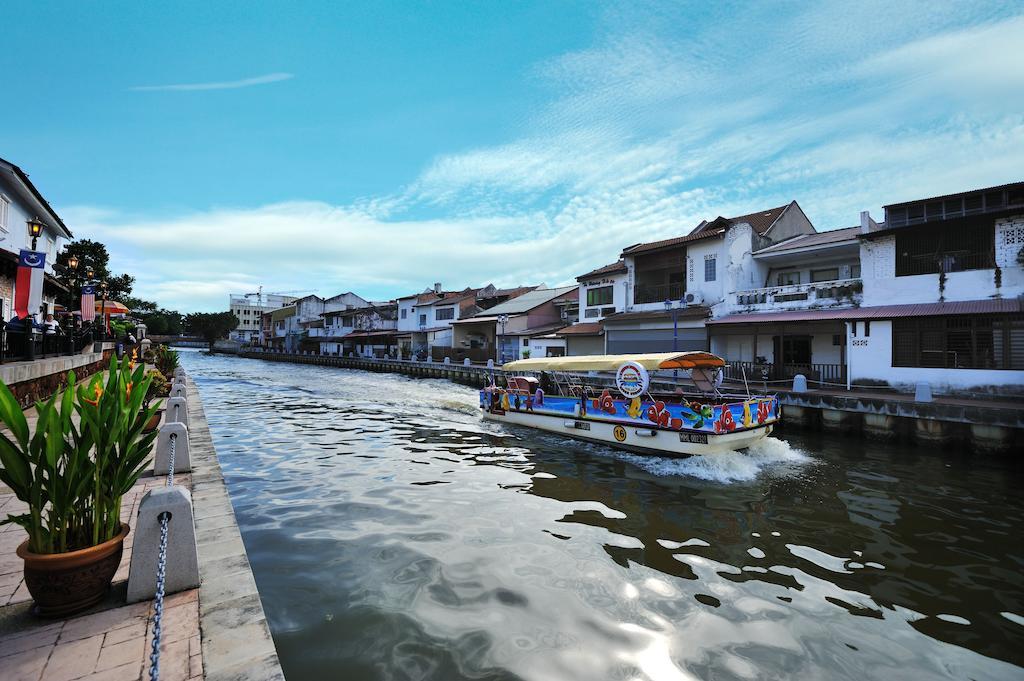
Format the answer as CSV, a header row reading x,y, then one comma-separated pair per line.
x,y
161,566
758,371
658,293
18,345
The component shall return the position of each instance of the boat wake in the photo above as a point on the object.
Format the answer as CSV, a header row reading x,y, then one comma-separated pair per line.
x,y
726,467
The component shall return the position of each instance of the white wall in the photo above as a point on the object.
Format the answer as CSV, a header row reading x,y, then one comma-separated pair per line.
x,y
696,253
883,287
408,305
617,281
539,346
16,236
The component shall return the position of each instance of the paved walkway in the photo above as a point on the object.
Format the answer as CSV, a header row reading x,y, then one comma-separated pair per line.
x,y
111,641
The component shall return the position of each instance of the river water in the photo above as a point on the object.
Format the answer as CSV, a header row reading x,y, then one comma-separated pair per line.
x,y
396,535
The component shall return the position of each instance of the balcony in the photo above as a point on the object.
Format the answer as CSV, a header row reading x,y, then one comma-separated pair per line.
x,y
658,293
836,293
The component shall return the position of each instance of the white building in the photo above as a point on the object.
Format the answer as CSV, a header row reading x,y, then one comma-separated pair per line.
x,y
20,202
365,331
249,308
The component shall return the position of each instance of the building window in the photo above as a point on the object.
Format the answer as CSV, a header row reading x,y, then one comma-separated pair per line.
x,y
404,311
346,322
423,320
710,267
5,212
837,339
855,271
526,342
830,274
599,296
592,312
945,248
960,342
788,278
444,313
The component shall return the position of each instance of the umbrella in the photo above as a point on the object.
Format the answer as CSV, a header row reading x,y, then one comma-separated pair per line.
x,y
111,307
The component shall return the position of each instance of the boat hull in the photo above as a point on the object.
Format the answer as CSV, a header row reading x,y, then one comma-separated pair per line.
x,y
634,437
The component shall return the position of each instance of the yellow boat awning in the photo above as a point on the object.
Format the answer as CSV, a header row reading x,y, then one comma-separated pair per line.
x,y
649,361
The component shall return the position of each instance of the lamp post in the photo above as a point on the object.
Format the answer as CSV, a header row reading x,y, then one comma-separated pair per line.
x,y
503,320
35,229
675,328
103,310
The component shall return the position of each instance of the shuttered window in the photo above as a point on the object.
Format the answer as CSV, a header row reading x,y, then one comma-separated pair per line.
x,y
960,342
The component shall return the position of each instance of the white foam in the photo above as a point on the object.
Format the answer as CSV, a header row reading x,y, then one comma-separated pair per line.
x,y
724,467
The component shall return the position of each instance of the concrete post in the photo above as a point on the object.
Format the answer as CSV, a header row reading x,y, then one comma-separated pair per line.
x,y
490,364
466,362
447,360
182,460
799,383
182,571
177,411
179,372
177,390
923,392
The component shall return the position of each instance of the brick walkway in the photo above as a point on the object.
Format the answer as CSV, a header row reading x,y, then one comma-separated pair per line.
x,y
110,644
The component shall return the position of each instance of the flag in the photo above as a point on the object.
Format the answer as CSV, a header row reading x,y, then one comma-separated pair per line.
x,y
88,303
28,286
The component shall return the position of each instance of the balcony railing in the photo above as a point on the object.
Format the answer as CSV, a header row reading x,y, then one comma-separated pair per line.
x,y
827,373
829,291
658,293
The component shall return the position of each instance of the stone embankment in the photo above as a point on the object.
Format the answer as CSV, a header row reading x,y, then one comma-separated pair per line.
x,y
986,426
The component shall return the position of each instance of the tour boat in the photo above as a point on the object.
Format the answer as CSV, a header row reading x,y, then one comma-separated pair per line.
x,y
615,399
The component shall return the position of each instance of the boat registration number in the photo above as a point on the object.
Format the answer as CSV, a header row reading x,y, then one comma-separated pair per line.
x,y
694,438
581,425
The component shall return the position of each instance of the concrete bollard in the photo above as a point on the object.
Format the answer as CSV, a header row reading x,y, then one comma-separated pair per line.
x,y
176,411
799,383
182,460
182,567
923,392
490,364
178,390
180,371
466,362
447,360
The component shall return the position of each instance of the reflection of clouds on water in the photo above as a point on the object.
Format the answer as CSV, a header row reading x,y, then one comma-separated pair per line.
x,y
394,533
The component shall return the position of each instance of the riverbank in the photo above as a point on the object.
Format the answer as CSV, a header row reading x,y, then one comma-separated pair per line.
x,y
217,631
985,426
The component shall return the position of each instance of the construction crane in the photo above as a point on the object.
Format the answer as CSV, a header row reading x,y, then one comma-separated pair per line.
x,y
260,294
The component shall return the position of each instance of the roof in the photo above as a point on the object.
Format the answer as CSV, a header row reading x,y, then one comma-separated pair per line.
x,y
1010,185
761,222
695,311
282,313
582,329
527,301
614,268
649,361
967,307
371,334
22,177
536,330
801,241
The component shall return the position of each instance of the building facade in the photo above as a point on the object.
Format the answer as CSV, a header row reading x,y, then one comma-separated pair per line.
x,y
249,308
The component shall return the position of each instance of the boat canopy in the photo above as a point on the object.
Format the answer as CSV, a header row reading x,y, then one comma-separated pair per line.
x,y
649,361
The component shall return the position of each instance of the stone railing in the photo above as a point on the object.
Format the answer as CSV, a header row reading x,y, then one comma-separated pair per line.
x,y
799,296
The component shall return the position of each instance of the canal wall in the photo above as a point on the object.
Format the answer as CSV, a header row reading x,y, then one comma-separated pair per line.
x,y
985,426
236,640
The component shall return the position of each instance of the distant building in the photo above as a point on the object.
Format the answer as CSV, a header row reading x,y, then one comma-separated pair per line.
x,y
366,331
249,308
20,202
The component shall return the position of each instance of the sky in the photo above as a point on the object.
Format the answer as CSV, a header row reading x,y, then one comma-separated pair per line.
x,y
323,147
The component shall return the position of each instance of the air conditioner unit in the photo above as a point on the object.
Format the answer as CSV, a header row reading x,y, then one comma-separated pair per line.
x,y
693,299
565,314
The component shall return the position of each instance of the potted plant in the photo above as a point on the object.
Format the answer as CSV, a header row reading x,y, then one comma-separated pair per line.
x,y
159,386
166,361
73,478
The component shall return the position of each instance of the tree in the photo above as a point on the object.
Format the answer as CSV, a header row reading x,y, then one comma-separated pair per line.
x,y
212,326
163,322
90,254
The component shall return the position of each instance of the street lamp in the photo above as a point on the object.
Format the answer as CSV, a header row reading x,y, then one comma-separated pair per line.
x,y
503,320
90,273
35,228
103,309
73,262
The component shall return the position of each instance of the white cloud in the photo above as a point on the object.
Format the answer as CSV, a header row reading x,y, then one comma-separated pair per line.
x,y
843,108
220,85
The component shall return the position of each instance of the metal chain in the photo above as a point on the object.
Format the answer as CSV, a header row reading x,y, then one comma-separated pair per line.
x,y
158,603
170,461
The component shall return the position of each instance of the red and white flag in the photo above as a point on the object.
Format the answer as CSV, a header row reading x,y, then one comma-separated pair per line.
x,y
88,303
28,285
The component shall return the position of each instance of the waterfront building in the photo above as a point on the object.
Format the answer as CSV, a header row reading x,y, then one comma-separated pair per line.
x,y
310,313
673,286
503,331
425,319
284,329
21,201
249,308
368,330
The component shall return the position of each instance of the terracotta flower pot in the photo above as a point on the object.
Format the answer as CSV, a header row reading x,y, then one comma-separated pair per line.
x,y
154,422
65,583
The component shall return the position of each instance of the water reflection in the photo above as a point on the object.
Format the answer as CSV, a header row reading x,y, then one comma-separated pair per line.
x,y
395,535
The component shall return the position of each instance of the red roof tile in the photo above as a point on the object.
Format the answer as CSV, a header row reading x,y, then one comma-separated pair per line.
x,y
760,221
582,329
615,267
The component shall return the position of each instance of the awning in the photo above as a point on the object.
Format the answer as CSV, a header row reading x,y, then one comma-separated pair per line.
x,y
965,307
649,361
